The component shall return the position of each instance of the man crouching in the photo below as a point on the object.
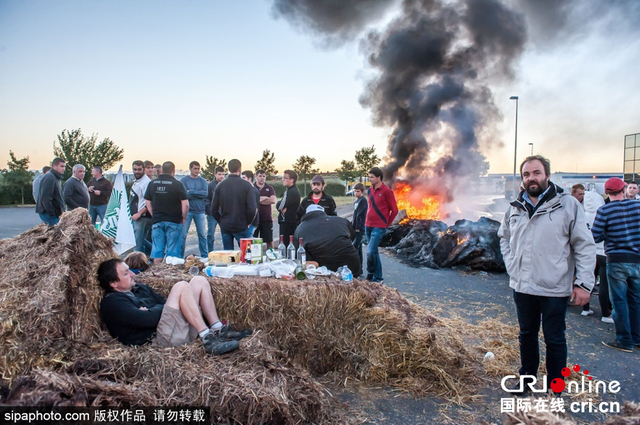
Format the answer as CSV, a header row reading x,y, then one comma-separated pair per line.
x,y
135,314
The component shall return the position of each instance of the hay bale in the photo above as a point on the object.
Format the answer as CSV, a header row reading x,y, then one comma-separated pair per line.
x,y
361,331
47,298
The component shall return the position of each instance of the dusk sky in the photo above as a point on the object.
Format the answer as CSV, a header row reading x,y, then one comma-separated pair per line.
x,y
178,80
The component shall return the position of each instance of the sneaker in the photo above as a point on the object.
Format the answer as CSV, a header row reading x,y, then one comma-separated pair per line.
x,y
214,345
227,334
607,319
587,312
615,344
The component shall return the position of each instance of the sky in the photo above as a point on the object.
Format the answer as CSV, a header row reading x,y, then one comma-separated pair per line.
x,y
178,80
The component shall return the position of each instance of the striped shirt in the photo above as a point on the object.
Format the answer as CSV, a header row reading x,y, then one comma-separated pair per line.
x,y
618,224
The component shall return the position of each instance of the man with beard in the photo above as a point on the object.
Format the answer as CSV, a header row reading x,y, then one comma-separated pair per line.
x,y
544,238
138,207
318,197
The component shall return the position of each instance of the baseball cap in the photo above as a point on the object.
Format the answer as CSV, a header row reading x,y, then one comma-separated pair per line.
x,y
613,185
317,179
314,207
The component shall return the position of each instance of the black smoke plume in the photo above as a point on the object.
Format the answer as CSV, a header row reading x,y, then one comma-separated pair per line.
x,y
434,61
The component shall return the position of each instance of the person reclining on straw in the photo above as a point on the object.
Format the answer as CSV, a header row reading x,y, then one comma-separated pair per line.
x,y
135,314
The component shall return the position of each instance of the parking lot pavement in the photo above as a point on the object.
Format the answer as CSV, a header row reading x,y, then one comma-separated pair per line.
x,y
16,220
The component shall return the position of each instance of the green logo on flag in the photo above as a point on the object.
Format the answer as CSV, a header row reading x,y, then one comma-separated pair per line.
x,y
110,226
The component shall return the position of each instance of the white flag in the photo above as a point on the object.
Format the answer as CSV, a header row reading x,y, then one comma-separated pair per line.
x,y
117,223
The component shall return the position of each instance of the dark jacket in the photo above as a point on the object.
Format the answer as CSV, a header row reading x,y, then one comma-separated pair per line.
x,y
360,215
120,311
76,194
105,187
211,188
50,199
290,201
326,202
327,240
234,204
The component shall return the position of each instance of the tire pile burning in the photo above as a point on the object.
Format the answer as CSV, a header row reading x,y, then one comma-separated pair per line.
x,y
422,240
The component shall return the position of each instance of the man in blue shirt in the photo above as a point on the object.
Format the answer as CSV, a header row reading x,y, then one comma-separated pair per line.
x,y
618,225
197,190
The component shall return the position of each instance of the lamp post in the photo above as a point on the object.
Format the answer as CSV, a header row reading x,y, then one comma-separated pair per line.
x,y
531,144
515,151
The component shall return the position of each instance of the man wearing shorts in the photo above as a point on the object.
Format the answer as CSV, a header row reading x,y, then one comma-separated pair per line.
x,y
135,314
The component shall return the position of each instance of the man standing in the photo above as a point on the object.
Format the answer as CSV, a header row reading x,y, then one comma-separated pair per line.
x,y
36,182
138,207
544,239
267,198
618,224
234,206
197,190
211,222
358,219
247,175
99,193
50,203
135,314
632,190
76,194
288,205
168,205
382,210
318,197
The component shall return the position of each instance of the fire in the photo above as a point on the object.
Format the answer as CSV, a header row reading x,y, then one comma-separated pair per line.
x,y
426,208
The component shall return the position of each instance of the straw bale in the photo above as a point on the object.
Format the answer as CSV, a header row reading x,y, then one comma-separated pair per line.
x,y
347,331
45,302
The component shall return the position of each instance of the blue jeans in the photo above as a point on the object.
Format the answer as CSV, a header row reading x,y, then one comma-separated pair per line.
x,y
141,228
227,238
374,265
95,212
51,220
166,234
531,310
199,220
357,244
624,291
211,231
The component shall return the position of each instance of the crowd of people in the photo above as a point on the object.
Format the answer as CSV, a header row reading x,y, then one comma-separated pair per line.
x,y
552,245
163,208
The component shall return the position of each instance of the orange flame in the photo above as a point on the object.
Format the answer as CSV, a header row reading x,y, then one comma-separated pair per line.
x,y
427,208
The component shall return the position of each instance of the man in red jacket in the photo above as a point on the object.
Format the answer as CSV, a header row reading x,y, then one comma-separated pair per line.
x,y
382,210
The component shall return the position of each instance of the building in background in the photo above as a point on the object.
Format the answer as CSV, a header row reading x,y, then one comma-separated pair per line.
x,y
632,157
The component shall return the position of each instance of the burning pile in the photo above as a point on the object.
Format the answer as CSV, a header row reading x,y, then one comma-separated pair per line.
x,y
424,241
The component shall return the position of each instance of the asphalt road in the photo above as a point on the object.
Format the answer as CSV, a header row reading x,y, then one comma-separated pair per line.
x,y
15,220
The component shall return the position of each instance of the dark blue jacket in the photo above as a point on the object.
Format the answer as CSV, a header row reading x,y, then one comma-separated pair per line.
x,y
360,215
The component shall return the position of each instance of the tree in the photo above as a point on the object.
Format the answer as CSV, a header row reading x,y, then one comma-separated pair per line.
x,y
347,171
266,163
17,176
366,159
75,148
209,170
303,168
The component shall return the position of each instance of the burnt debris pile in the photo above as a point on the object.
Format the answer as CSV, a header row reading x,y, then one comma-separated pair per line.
x,y
431,243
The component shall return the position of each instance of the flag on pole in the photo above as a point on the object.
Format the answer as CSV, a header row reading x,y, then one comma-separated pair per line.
x,y
117,223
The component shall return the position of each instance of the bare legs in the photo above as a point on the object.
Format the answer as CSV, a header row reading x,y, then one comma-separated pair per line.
x,y
190,297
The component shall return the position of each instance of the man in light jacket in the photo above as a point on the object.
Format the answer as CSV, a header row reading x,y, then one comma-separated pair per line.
x,y
544,237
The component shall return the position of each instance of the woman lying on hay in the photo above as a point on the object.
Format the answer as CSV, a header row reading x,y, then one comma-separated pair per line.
x,y
135,314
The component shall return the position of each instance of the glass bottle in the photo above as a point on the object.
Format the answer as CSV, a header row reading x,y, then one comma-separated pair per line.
x,y
291,249
282,249
302,254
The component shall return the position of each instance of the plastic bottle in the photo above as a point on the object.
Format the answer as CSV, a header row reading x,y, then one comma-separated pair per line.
x,y
346,274
282,249
302,254
291,249
214,271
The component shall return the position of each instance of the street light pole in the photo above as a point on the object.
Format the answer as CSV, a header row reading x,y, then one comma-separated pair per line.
x,y
515,151
531,144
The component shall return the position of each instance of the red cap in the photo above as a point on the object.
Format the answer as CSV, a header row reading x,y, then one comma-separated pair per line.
x,y
613,185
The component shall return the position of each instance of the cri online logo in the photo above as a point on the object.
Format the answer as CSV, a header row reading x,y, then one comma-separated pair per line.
x,y
558,385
